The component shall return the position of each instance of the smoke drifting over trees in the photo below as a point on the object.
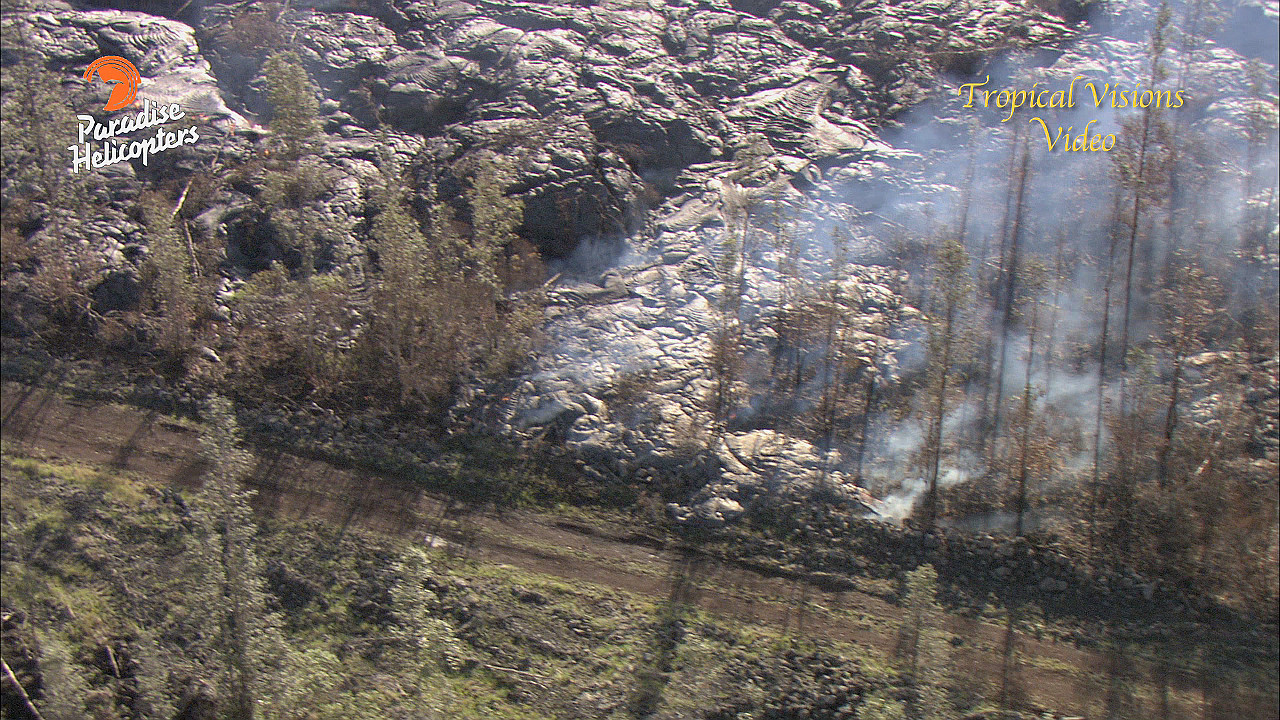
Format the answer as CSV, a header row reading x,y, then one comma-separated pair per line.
x,y
1094,328
742,274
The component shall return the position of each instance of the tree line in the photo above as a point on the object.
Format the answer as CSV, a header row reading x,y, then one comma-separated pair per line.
x,y
443,290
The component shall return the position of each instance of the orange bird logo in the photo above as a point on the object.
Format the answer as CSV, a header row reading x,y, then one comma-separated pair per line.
x,y
115,69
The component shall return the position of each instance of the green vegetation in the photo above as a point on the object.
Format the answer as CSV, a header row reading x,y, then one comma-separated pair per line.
x,y
922,647
455,297
444,308
38,127
119,587
41,192
294,110
343,619
172,288
255,30
1101,382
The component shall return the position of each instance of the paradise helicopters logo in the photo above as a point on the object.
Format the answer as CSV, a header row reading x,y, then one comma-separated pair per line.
x,y
96,146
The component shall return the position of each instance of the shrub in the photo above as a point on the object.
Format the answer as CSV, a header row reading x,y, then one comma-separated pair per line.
x,y
255,32
444,301
170,281
292,335
294,110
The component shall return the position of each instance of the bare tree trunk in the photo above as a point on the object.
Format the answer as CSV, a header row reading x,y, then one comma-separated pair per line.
x,y
1135,219
22,692
1008,664
1010,289
940,409
1026,422
1096,488
1139,189
1170,421
1059,272
867,402
830,363
997,282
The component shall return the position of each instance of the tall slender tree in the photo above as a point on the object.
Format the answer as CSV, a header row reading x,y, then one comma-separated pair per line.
x,y
1108,274
1137,173
953,286
731,271
1009,288
1033,283
922,649
994,285
246,642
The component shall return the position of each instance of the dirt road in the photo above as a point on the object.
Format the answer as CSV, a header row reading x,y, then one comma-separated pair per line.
x,y
1057,675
